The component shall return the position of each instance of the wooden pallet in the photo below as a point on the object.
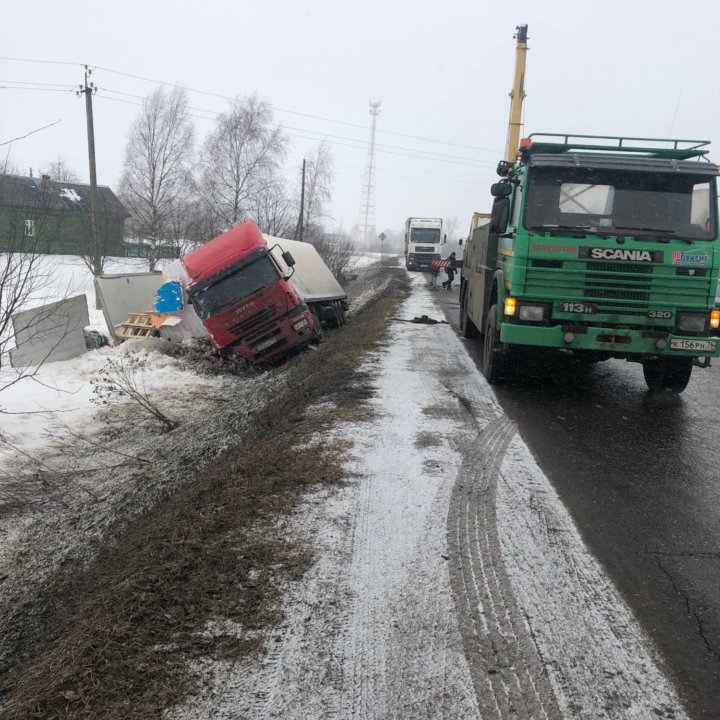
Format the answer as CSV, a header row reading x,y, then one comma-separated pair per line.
x,y
138,325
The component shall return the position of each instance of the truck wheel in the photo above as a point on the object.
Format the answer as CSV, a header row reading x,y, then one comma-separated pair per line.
x,y
339,313
494,362
317,326
467,326
670,374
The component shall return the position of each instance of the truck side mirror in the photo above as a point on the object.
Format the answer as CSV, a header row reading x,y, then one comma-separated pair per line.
x,y
501,189
500,215
288,259
503,168
460,241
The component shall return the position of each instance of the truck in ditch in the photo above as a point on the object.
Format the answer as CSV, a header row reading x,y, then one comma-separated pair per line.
x,y
260,296
598,248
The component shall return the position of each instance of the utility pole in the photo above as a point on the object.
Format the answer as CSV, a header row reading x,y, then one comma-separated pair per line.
x,y
89,89
300,227
367,207
517,95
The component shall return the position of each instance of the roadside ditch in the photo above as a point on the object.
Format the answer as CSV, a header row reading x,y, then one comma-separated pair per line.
x,y
113,629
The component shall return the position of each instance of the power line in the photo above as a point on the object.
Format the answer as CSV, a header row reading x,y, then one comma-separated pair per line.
x,y
37,89
21,82
275,107
320,132
360,146
44,62
32,132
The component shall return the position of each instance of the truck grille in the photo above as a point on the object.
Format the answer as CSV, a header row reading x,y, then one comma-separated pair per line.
x,y
611,267
616,288
242,327
615,281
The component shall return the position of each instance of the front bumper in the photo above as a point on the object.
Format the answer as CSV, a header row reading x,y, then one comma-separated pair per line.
x,y
613,341
285,339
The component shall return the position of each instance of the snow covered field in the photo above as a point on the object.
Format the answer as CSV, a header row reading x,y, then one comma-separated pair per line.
x,y
61,390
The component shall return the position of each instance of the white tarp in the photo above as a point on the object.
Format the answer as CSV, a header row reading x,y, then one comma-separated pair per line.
x,y
50,333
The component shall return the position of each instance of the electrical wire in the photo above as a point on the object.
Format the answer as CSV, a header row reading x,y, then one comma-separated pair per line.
x,y
419,153
275,107
358,143
37,89
32,132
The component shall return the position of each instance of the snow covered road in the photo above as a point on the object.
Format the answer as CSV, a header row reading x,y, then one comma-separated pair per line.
x,y
450,580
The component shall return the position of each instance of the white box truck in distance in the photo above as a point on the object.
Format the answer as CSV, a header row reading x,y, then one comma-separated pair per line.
x,y
423,242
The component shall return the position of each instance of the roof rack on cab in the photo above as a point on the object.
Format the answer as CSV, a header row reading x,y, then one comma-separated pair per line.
x,y
558,143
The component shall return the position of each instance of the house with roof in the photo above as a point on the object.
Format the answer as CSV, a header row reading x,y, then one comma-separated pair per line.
x,y
46,216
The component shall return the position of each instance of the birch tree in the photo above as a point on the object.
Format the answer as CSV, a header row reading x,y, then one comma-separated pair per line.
x,y
318,190
156,178
240,160
274,212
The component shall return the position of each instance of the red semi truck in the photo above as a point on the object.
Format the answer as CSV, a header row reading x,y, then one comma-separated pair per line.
x,y
262,297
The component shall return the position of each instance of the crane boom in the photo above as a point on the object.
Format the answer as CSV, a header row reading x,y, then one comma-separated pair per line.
x,y
517,95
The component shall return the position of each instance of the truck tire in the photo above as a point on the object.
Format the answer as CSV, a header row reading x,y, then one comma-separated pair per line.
x,y
317,326
495,363
668,374
339,313
467,326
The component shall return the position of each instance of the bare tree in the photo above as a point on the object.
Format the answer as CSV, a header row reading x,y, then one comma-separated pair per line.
x,y
240,160
338,252
156,177
318,190
274,212
60,171
450,228
24,277
8,167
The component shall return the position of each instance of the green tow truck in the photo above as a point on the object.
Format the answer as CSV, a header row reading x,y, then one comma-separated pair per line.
x,y
598,247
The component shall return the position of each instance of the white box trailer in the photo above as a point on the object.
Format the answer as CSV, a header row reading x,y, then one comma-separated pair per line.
x,y
312,279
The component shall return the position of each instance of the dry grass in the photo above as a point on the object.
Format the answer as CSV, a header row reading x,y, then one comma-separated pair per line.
x,y
122,634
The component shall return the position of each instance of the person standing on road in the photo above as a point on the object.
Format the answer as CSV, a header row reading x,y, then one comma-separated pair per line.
x,y
450,270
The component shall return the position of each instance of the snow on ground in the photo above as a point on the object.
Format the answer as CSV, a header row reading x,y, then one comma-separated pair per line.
x,y
61,391
68,275
450,580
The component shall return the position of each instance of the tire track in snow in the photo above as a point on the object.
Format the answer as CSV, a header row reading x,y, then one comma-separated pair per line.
x,y
601,664
507,671
403,651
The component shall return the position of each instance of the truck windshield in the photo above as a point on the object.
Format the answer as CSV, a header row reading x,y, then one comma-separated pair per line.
x,y
235,287
622,202
425,235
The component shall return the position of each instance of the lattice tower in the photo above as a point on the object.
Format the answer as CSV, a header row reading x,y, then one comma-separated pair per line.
x,y
367,205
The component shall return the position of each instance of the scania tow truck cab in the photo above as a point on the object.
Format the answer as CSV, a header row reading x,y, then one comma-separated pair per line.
x,y
239,288
599,247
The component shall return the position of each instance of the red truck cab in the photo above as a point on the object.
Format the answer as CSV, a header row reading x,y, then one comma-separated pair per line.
x,y
239,289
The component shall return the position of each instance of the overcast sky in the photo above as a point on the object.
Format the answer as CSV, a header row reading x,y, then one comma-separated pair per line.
x,y
441,69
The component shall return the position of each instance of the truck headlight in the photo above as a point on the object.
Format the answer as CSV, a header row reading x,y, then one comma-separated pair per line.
x,y
300,324
691,322
714,319
531,313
